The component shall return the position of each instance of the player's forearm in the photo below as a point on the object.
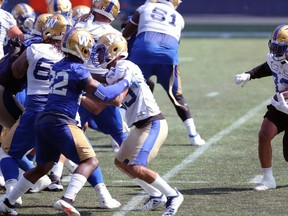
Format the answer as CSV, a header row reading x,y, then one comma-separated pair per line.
x,y
260,71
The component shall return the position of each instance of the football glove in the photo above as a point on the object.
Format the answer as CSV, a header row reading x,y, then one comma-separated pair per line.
x,y
281,104
242,79
117,73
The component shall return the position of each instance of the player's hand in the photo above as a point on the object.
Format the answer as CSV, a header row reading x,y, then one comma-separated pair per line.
x,y
242,79
117,73
281,104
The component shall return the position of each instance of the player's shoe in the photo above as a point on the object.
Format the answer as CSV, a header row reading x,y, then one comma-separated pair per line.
x,y
64,206
265,184
105,198
173,203
153,202
196,140
7,208
18,203
56,184
41,184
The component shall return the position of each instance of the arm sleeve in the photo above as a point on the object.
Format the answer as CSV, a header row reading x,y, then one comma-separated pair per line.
x,y
260,71
110,92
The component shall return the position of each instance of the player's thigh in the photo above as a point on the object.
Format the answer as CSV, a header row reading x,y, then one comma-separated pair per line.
x,y
143,144
21,137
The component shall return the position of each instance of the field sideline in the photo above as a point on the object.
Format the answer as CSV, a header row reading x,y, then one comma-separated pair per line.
x,y
215,179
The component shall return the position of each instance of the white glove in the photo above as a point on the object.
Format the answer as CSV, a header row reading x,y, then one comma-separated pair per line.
x,y
281,104
242,78
117,73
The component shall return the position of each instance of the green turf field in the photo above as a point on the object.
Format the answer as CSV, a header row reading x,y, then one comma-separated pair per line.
x,y
215,179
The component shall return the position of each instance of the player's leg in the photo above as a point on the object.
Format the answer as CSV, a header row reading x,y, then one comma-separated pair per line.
x,y
270,127
140,147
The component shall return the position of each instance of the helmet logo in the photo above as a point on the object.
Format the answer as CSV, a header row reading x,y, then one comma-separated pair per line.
x,y
83,40
51,23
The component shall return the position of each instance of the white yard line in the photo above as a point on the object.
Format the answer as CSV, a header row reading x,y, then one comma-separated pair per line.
x,y
136,200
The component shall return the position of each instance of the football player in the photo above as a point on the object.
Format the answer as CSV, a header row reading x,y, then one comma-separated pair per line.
x,y
98,22
276,118
149,126
35,63
155,51
56,128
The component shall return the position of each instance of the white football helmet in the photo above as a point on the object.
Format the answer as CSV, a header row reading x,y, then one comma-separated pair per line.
x,y
109,47
80,10
78,42
278,43
25,17
174,3
108,8
56,26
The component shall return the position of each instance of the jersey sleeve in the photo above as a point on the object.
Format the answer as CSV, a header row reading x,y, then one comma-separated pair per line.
x,y
8,20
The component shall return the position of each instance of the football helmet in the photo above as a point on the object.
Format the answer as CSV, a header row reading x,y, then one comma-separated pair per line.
x,y
78,42
39,23
25,16
80,10
174,3
56,26
108,8
60,7
110,46
278,43
3,3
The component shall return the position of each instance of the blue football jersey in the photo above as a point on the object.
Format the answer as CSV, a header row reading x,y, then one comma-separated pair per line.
x,y
67,84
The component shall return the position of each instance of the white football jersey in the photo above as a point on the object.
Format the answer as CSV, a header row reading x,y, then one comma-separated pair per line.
x,y
139,102
40,58
97,29
7,21
162,18
280,73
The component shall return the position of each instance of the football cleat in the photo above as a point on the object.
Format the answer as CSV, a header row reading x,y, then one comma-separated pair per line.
x,y
153,202
173,203
196,140
64,206
41,184
56,183
265,184
105,199
18,203
7,208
